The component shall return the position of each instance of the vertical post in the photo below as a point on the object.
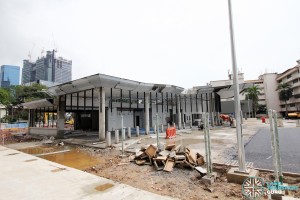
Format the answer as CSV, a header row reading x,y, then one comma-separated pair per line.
x,y
122,134
204,118
178,112
157,129
92,112
111,100
129,132
101,114
137,131
273,144
147,113
237,105
77,101
116,136
61,111
121,100
137,99
108,139
130,100
208,143
84,101
277,150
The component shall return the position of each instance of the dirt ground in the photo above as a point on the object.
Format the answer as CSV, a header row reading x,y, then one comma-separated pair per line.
x,y
181,183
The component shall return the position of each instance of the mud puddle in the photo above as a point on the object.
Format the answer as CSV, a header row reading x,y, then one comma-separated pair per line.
x,y
75,158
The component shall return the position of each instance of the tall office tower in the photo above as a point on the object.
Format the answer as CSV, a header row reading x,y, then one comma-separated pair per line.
x,y
9,75
48,68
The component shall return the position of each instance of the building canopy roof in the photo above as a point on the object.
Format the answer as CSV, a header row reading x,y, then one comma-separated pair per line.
x,y
106,81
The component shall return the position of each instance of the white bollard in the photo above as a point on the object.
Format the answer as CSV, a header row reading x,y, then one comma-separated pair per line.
x,y
162,128
168,125
155,131
129,132
108,139
137,131
116,136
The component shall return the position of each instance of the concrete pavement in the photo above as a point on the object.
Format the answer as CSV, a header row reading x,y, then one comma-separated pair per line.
x,y
25,177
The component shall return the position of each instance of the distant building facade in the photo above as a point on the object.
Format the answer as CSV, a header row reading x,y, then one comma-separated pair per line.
x,y
48,68
9,75
291,77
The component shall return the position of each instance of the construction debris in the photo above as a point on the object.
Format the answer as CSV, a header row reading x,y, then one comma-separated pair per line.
x,y
169,157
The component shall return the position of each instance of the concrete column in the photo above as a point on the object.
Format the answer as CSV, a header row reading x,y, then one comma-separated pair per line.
x,y
147,127
137,131
61,111
101,114
116,136
129,132
183,125
178,112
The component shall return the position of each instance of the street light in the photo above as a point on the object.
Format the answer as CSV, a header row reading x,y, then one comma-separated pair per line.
x,y
237,104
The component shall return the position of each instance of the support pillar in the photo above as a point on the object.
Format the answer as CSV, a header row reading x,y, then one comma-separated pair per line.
x,y
101,114
61,111
178,112
147,128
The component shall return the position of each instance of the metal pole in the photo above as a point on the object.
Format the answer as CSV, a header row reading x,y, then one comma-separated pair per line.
x,y
157,128
278,157
237,105
208,144
273,145
122,137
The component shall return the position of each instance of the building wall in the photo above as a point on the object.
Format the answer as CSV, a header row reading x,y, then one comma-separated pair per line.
x,y
292,77
271,95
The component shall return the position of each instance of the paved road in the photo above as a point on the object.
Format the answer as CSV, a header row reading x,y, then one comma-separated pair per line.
x,y
258,150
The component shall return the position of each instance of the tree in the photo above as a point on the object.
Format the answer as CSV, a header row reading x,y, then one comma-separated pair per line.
x,y
252,93
285,93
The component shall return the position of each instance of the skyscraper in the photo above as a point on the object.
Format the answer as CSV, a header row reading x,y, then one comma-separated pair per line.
x,y
48,68
9,75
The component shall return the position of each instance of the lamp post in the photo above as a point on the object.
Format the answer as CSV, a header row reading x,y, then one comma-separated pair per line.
x,y
237,105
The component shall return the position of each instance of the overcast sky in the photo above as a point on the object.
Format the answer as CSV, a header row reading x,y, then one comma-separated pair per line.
x,y
184,43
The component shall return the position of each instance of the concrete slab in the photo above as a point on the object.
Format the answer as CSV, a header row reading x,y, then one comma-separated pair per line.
x,y
42,179
233,176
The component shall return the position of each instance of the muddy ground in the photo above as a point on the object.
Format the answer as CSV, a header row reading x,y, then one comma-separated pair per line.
x,y
181,183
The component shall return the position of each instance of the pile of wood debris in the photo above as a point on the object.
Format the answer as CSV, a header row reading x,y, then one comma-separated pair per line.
x,y
169,157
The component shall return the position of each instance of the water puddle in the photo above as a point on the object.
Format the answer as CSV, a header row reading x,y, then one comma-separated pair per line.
x,y
104,187
75,158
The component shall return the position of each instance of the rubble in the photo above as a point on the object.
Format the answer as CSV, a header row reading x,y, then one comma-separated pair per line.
x,y
170,157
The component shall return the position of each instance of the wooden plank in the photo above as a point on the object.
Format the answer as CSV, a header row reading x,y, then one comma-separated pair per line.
x,y
169,166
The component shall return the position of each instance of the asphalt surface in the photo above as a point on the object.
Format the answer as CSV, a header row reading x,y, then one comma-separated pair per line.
x,y
259,150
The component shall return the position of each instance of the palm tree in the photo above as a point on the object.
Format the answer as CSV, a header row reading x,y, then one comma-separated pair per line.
x,y
285,93
252,93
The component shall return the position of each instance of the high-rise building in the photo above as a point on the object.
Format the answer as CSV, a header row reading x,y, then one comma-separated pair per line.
x,y
9,75
48,68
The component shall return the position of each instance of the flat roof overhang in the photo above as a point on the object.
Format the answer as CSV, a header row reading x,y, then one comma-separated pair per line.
x,y
42,103
106,81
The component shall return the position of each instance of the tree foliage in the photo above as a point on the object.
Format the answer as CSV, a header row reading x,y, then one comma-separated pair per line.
x,y
285,93
252,93
4,97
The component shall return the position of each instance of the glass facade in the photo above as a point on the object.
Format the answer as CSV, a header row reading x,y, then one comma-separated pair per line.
x,y
9,75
